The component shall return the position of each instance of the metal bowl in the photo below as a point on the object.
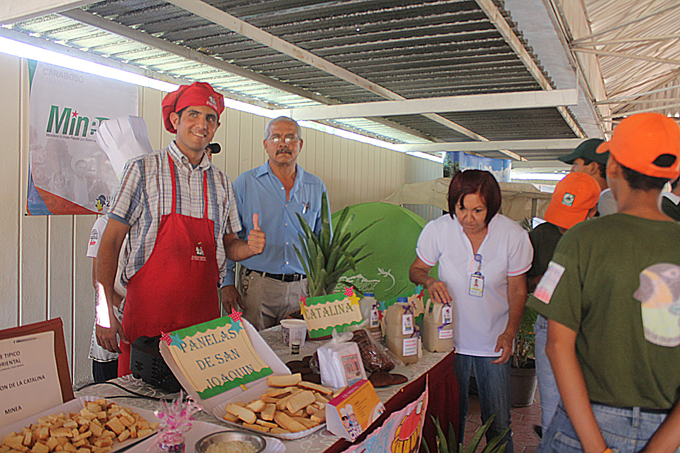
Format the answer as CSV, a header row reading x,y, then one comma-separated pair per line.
x,y
230,436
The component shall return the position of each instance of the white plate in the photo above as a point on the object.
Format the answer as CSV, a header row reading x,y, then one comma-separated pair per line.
x,y
197,431
220,411
75,406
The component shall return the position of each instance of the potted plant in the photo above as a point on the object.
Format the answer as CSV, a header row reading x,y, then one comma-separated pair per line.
x,y
329,255
523,365
444,445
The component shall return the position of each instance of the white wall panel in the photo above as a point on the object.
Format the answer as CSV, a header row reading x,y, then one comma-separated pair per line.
x,y
83,311
60,270
44,271
34,232
10,194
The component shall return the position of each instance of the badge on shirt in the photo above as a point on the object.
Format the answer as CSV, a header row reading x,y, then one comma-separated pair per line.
x,y
476,279
477,284
94,237
659,294
546,287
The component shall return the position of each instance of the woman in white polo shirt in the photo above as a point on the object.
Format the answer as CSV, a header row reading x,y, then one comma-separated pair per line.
x,y
483,257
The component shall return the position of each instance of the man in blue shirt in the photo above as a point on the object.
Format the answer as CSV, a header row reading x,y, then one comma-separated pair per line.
x,y
272,283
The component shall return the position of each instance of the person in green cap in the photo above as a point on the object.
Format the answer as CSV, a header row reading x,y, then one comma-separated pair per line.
x,y
585,159
612,298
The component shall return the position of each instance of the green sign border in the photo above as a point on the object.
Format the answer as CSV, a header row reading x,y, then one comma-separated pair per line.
x,y
214,324
317,333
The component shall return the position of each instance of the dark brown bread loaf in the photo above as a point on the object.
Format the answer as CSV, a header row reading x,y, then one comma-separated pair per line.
x,y
374,359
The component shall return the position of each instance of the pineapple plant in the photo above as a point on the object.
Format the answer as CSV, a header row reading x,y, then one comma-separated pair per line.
x,y
329,255
444,445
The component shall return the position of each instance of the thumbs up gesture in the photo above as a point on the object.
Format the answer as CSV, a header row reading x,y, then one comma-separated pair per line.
x,y
256,238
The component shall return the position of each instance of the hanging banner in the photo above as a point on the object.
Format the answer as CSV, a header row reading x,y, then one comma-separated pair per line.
x,y
401,432
458,160
68,173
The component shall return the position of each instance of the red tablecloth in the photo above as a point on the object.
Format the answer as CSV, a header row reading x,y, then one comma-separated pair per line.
x,y
443,403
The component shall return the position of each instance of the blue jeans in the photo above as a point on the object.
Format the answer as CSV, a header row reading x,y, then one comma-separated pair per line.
x,y
493,384
547,387
625,430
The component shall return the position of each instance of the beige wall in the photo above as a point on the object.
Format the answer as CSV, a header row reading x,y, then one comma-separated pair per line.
x,y
44,272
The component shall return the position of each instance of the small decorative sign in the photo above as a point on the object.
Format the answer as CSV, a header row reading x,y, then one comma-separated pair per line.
x,y
352,412
324,313
401,432
29,383
216,356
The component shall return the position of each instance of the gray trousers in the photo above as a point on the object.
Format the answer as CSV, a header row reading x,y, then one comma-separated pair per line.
x,y
268,301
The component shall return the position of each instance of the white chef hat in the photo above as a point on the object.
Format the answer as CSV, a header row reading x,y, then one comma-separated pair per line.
x,y
122,139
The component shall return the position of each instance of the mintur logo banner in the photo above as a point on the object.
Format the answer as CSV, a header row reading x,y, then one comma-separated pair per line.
x,y
67,122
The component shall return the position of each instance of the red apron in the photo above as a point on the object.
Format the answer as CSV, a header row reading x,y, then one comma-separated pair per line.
x,y
177,286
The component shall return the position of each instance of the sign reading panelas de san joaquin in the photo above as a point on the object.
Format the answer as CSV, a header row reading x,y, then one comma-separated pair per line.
x,y
216,356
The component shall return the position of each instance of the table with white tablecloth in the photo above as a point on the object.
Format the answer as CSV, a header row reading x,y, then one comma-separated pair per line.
x,y
438,367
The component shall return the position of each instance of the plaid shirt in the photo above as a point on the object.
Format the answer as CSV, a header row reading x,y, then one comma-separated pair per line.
x,y
145,194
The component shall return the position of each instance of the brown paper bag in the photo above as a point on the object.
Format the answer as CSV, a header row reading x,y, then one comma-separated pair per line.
x,y
402,334
438,327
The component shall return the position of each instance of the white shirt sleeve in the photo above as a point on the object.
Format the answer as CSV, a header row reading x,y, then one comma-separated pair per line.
x,y
427,248
520,252
96,236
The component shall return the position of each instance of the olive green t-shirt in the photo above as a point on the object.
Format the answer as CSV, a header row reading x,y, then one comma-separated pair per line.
x,y
620,291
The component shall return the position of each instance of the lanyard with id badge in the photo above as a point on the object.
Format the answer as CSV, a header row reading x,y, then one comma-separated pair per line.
x,y
477,279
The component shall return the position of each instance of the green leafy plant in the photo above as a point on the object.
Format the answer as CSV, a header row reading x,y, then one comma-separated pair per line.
x,y
327,256
523,355
449,445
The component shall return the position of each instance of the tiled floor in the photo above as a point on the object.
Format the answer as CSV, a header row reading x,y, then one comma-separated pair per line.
x,y
523,421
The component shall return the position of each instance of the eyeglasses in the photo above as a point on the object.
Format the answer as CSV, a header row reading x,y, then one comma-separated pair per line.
x,y
288,139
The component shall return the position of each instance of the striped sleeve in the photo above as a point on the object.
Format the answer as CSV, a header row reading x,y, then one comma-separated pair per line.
x,y
128,204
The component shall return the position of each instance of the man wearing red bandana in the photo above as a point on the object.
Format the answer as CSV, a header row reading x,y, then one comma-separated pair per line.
x,y
180,214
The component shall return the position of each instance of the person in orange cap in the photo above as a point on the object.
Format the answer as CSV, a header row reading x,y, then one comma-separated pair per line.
x,y
574,200
612,297
181,218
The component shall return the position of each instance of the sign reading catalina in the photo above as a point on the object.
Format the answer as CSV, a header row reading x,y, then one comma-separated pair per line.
x,y
324,313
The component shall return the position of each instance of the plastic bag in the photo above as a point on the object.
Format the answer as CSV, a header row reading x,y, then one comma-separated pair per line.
x,y
373,354
340,361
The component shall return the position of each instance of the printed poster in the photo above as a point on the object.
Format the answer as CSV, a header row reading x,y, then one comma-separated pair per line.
x,y
459,160
29,383
216,356
68,173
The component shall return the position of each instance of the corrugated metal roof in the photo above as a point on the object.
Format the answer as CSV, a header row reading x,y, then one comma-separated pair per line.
x,y
415,49
638,45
